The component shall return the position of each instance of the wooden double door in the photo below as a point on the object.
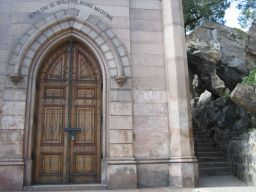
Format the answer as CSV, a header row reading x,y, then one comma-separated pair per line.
x,y
67,121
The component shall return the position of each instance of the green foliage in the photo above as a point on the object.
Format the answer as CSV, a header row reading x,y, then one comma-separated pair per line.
x,y
252,130
227,94
250,79
240,34
195,11
248,12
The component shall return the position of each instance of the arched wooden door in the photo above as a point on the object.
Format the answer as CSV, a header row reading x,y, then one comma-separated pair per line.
x,y
67,123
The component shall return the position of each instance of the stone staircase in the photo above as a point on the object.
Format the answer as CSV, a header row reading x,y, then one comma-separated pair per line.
x,y
211,161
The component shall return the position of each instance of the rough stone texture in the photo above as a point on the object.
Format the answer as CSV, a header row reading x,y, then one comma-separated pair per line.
x,y
251,43
136,124
204,98
251,48
152,175
183,170
221,120
122,176
245,96
149,84
217,55
11,178
183,174
242,156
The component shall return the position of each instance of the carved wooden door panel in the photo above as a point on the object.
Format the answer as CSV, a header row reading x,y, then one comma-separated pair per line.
x,y
67,136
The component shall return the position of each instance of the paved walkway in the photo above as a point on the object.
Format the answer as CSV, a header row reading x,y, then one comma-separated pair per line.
x,y
206,184
223,184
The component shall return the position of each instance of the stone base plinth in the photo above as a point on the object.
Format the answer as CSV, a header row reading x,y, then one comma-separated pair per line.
x,y
11,175
183,173
121,175
152,175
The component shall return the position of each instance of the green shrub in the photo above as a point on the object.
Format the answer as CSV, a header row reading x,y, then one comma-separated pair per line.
x,y
227,94
250,79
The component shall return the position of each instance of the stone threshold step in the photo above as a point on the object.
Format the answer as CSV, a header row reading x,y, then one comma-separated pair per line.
x,y
211,159
200,136
213,164
209,174
210,154
215,171
203,141
71,187
206,147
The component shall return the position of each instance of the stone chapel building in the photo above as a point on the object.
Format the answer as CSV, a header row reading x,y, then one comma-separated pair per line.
x,y
94,92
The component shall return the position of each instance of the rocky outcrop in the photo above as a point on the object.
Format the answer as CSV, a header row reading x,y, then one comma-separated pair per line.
x,y
251,48
245,96
221,120
217,54
219,58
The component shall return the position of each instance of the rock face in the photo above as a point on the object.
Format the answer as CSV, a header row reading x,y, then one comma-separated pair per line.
x,y
219,57
217,54
251,47
222,120
245,96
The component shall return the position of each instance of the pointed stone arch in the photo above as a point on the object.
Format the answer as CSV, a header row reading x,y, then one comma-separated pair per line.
x,y
113,57
93,28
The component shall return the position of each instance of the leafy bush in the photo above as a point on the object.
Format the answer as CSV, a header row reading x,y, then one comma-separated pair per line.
x,y
250,79
227,94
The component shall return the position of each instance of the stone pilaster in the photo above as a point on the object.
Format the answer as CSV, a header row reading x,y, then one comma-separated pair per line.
x,y
183,167
121,168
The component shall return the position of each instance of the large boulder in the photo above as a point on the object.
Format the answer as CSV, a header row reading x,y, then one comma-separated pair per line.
x,y
251,48
245,96
217,54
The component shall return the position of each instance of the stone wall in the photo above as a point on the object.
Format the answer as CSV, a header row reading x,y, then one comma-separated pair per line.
x,y
149,93
242,156
146,122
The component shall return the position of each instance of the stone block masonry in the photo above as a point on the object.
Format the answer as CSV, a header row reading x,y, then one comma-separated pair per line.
x,y
144,124
242,156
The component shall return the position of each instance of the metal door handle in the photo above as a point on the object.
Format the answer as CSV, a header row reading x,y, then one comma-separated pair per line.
x,y
72,132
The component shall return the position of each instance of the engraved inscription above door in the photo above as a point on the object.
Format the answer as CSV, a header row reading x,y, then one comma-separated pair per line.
x,y
67,121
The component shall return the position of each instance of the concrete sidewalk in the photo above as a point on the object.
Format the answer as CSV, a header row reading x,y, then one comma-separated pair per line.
x,y
206,184
223,184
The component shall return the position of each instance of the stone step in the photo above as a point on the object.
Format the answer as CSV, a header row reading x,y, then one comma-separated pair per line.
x,y
205,145
198,141
210,154
202,138
213,164
211,159
205,149
71,187
200,134
214,171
